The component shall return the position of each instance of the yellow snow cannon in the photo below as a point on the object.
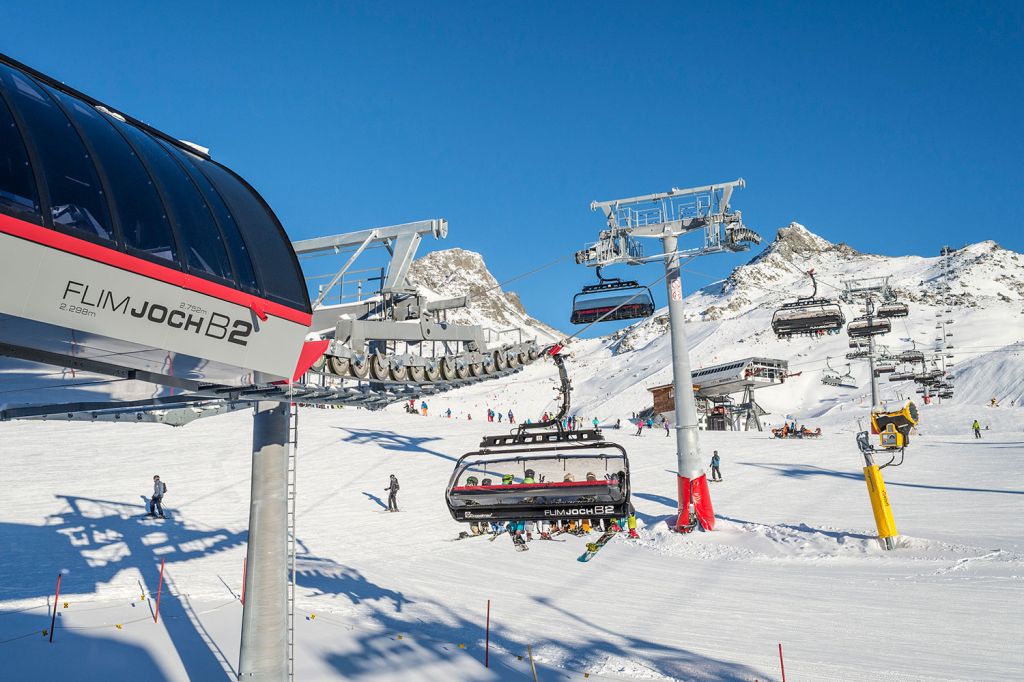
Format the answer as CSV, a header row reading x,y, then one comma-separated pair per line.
x,y
893,428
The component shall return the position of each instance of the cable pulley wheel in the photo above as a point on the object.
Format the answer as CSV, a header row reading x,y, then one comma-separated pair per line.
x,y
462,370
379,369
399,372
338,365
500,360
449,369
433,372
360,370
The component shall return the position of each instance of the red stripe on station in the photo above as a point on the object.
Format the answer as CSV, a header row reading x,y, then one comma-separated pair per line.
x,y
529,486
102,254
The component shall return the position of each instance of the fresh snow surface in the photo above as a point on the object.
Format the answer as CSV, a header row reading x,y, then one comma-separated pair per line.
x,y
792,560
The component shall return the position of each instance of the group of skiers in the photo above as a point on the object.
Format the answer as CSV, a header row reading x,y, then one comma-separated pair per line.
x,y
410,407
790,430
649,424
493,415
573,422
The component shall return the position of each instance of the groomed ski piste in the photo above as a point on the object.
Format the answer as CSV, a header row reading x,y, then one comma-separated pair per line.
x,y
793,558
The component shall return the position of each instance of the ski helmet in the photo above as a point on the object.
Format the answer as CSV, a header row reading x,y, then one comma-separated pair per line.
x,y
486,481
528,473
591,476
472,480
506,479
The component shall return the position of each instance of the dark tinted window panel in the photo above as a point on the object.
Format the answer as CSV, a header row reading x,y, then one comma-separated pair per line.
x,y
271,252
76,197
18,195
237,249
201,244
140,211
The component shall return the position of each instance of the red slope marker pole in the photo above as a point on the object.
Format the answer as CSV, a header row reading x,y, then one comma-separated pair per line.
x,y
244,559
487,646
53,621
781,664
159,588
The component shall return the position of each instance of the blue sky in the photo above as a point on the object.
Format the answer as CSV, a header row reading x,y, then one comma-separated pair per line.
x,y
894,127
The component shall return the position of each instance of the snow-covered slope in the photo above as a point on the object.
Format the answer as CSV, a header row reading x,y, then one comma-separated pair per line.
x,y
457,272
388,598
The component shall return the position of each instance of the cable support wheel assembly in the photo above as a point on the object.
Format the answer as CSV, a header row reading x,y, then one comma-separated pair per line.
x,y
449,369
417,373
500,360
360,370
462,370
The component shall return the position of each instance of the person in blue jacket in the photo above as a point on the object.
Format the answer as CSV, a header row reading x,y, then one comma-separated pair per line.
x,y
716,462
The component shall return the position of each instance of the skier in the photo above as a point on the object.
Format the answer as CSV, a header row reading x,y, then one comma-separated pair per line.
x,y
448,413
528,476
506,479
618,423
423,407
392,491
977,429
665,423
511,417
639,427
499,417
155,502
650,423
595,422
993,403
716,472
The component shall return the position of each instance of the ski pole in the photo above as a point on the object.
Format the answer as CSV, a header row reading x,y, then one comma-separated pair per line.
x,y
53,621
487,646
159,588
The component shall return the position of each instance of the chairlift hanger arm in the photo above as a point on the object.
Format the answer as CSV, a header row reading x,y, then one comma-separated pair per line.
x,y
437,226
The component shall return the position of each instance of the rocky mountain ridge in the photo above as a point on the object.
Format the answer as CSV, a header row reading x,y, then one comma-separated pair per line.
x,y
457,272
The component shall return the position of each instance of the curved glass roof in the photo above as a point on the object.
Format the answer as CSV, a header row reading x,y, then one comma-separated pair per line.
x,y
69,163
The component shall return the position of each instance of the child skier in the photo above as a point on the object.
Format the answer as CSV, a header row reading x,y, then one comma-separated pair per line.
x,y
716,472
159,488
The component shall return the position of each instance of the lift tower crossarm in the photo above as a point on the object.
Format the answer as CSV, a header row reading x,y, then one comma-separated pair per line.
x,y
437,226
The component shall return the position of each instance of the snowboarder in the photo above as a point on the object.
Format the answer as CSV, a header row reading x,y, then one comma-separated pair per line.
x,y
155,502
977,429
716,472
618,423
392,491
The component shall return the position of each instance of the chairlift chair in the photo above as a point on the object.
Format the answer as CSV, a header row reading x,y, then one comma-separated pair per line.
x,y
911,356
809,316
863,327
541,472
611,299
893,309
831,377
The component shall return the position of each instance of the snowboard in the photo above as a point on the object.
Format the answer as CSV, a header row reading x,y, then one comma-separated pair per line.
x,y
519,543
594,547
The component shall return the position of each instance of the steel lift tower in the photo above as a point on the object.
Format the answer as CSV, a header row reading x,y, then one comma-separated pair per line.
x,y
668,216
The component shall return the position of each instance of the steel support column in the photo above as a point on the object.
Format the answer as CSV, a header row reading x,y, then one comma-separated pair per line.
x,y
691,481
263,655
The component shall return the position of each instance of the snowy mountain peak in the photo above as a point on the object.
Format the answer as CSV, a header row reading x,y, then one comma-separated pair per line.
x,y
457,272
